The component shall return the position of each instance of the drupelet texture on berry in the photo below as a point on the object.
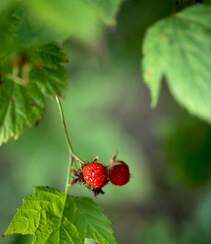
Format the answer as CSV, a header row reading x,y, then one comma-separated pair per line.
x,y
95,174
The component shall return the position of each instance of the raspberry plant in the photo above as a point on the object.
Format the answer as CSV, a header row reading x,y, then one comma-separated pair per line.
x,y
32,67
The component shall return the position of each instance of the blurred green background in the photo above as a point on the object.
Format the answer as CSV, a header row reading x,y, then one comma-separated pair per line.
x,y
107,106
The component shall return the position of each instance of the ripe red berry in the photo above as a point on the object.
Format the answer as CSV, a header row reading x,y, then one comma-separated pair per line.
x,y
119,173
95,174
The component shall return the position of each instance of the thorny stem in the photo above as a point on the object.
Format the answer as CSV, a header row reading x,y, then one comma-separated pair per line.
x,y
72,156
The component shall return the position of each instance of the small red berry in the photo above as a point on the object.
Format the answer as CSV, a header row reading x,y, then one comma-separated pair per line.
x,y
119,173
95,174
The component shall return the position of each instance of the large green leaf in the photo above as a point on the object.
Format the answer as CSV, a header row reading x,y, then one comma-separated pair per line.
x,y
81,18
179,49
39,72
52,218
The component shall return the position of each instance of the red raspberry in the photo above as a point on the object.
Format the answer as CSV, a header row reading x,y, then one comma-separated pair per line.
x,y
95,174
119,173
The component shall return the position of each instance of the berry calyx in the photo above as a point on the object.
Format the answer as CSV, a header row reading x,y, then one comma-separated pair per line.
x,y
119,173
95,174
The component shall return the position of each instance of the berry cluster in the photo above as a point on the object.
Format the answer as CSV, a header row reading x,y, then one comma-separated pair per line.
x,y
95,175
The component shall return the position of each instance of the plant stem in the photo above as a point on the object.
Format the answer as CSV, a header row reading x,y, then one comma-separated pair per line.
x,y
67,184
67,137
72,155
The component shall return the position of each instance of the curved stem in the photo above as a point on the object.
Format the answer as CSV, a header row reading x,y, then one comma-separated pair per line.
x,y
67,137
72,155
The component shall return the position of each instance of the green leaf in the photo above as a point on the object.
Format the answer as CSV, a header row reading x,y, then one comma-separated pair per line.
x,y
34,74
26,23
82,18
30,33
179,49
8,29
20,31
52,218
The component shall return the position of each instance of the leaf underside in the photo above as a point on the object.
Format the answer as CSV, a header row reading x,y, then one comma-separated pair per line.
x,y
179,49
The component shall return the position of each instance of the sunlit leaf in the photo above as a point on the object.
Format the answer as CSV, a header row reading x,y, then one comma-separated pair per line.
x,y
52,218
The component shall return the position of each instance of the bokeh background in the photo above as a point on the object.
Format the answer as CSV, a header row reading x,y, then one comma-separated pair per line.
x,y
107,106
